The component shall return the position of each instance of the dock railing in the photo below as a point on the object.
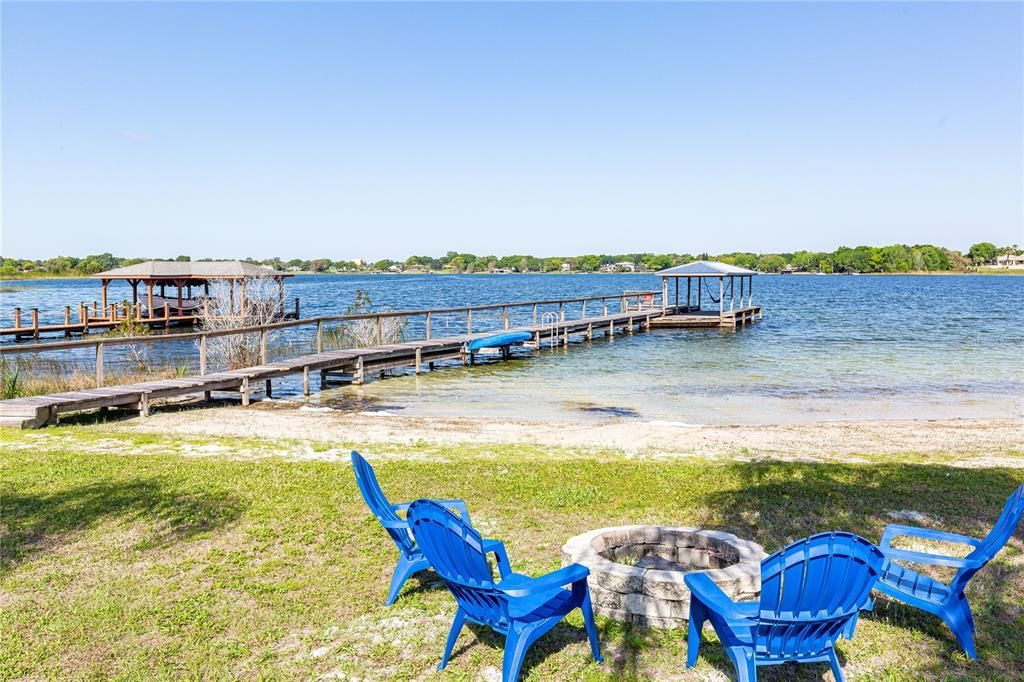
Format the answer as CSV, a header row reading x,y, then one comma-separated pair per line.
x,y
609,304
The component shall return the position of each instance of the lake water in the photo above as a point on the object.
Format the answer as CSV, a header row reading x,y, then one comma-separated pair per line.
x,y
830,347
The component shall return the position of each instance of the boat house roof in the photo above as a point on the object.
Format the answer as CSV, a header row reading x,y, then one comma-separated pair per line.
x,y
706,268
195,271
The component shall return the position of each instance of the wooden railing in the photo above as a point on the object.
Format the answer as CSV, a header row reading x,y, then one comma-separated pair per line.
x,y
632,300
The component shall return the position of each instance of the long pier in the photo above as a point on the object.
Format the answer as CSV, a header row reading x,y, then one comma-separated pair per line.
x,y
637,311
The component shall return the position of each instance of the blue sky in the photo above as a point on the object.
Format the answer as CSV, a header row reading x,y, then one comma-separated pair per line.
x,y
383,130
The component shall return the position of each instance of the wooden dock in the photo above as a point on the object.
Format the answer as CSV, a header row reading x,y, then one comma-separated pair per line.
x,y
355,364
690,318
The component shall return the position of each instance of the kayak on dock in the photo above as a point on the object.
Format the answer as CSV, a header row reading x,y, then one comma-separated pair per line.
x,y
498,340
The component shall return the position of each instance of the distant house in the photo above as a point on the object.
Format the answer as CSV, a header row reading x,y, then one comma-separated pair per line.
x,y
566,267
416,267
395,268
625,266
607,267
1008,260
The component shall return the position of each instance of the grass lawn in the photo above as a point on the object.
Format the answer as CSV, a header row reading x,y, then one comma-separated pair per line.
x,y
124,558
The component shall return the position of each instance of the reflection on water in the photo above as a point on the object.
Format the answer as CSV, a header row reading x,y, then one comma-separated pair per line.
x,y
828,348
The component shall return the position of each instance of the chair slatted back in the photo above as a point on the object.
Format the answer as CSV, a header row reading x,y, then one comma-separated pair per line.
x,y
455,550
379,505
1000,534
811,589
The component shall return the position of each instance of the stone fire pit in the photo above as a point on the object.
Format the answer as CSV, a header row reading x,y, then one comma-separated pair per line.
x,y
636,572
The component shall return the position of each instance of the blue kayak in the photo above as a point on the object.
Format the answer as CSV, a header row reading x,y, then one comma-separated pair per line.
x,y
498,340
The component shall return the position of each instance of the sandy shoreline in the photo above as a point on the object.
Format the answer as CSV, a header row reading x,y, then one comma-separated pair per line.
x,y
991,442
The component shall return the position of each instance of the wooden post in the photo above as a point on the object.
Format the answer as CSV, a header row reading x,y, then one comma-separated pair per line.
x,y
319,336
35,323
95,310
305,380
359,376
732,290
135,290
561,312
622,304
721,297
83,312
504,316
67,315
149,300
17,318
583,310
202,355
269,389
380,331
296,307
167,315
103,291
629,327
664,295
263,346
99,365
688,297
535,316
419,359
144,404
469,321
590,332
604,307
244,390
611,328
677,292
428,326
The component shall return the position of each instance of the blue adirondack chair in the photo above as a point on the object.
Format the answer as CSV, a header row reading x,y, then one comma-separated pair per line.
x,y
948,602
518,606
811,593
410,558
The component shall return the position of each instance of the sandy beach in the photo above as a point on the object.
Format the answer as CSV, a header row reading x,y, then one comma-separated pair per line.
x,y
976,443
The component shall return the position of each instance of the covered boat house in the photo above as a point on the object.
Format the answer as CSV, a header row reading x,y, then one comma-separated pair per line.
x,y
731,301
182,280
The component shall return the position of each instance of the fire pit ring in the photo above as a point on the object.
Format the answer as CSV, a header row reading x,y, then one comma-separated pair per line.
x,y
636,572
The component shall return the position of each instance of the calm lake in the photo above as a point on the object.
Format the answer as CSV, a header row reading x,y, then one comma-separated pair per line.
x,y
830,347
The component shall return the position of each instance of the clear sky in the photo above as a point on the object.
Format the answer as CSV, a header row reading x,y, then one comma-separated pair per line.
x,y
385,130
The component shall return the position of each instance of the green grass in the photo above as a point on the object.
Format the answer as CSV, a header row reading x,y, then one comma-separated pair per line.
x,y
124,558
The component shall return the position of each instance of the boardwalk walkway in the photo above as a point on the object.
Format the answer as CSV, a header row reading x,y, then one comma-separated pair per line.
x,y
357,363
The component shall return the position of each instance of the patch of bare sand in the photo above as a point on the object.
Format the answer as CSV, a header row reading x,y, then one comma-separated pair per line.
x,y
974,443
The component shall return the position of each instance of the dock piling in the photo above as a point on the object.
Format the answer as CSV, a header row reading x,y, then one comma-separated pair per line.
x,y
99,365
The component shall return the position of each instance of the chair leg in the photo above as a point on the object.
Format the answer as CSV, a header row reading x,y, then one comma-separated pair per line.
x,y
698,613
515,653
403,571
453,634
960,621
837,670
588,621
743,659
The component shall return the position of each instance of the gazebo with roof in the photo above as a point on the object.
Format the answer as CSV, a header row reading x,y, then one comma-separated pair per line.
x,y
184,275
697,275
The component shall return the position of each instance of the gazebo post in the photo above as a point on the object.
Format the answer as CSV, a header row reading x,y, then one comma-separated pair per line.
x,y
149,295
103,293
178,284
664,295
231,296
721,297
750,293
689,298
742,282
135,291
732,290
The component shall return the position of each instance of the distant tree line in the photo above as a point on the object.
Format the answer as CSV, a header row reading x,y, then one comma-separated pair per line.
x,y
869,259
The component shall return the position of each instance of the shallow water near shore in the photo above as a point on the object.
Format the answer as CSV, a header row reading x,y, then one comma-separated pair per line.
x,y
830,348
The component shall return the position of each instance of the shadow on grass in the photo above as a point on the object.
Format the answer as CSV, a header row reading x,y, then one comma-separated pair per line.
x,y
32,523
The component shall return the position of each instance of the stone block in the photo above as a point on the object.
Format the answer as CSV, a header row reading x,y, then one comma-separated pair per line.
x,y
666,585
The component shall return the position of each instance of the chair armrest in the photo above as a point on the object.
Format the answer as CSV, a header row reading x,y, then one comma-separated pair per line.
x,y
573,573
893,530
704,588
401,524
931,559
496,548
